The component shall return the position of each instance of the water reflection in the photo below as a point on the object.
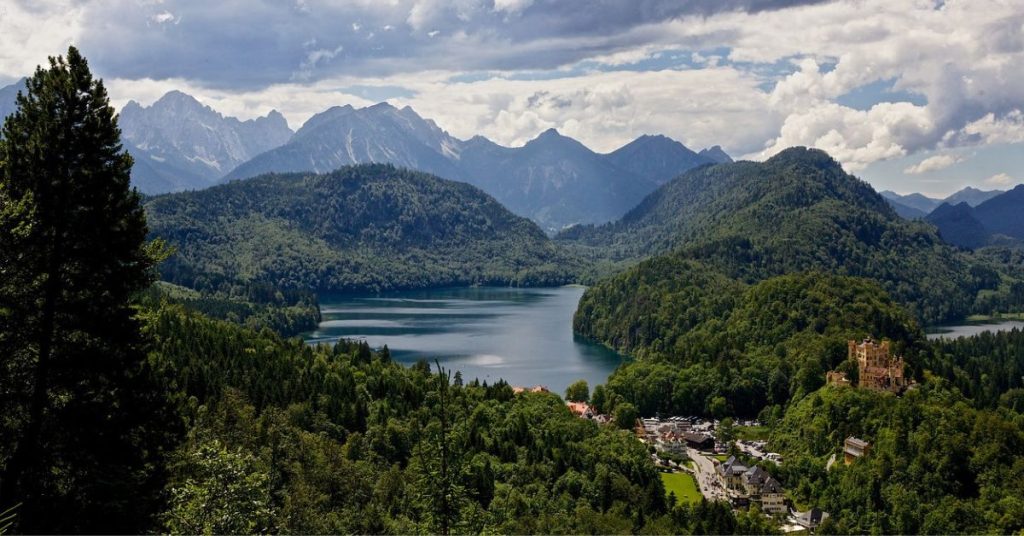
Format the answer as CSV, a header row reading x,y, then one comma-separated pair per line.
x,y
522,335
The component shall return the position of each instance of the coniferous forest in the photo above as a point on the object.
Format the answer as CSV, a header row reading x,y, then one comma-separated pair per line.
x,y
151,380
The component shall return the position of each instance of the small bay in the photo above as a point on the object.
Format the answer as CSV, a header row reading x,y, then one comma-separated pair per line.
x,y
521,335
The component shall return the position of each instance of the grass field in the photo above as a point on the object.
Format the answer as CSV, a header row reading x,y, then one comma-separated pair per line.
x,y
683,485
721,457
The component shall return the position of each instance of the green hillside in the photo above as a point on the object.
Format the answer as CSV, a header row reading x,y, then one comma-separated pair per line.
x,y
368,227
717,347
798,211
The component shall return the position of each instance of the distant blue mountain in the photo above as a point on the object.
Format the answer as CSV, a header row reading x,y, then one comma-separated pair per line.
x,y
553,179
7,97
997,220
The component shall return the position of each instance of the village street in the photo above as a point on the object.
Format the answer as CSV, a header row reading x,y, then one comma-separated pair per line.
x,y
704,471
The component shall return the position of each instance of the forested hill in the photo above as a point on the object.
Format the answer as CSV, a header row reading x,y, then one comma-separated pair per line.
x,y
367,227
797,211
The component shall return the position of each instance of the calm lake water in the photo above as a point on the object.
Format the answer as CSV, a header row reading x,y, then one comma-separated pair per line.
x,y
522,335
966,330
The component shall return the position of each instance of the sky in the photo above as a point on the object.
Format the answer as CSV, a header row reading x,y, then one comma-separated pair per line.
x,y
910,95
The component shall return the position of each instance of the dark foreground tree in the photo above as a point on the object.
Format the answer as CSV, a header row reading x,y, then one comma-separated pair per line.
x,y
75,406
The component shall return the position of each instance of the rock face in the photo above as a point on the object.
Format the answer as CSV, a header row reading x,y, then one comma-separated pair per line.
x,y
343,136
180,144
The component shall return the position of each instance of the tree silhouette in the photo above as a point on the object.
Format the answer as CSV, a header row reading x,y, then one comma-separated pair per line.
x,y
72,254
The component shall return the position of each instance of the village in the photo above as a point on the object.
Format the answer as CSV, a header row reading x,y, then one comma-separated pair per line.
x,y
707,456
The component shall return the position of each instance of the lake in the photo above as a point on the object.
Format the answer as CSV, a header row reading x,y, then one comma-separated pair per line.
x,y
974,328
521,335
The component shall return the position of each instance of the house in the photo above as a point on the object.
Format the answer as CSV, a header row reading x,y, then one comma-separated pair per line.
x,y
854,448
773,498
671,446
581,409
753,479
698,441
811,518
730,473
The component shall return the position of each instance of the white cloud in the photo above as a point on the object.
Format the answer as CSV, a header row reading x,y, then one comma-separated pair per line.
x,y
31,33
934,163
512,6
1000,180
962,59
856,138
164,17
989,129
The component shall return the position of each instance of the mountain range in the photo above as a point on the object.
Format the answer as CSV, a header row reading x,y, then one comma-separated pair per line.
x,y
180,144
917,205
552,179
995,221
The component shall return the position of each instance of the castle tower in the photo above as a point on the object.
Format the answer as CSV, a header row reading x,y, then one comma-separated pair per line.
x,y
878,370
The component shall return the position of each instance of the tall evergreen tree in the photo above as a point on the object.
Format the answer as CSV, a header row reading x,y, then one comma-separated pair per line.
x,y
73,395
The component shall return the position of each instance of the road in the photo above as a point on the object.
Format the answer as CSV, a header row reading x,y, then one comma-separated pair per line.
x,y
704,470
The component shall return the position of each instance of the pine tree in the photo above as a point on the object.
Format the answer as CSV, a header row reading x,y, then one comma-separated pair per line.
x,y
73,395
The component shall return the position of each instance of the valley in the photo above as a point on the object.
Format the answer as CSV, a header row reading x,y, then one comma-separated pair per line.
x,y
368,325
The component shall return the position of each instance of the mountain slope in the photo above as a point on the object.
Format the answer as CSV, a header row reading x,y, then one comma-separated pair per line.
x,y
178,143
906,212
553,180
915,200
1004,213
971,196
7,98
344,136
798,211
368,227
958,225
715,154
660,159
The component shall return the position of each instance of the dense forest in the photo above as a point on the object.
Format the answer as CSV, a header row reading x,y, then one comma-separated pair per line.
x,y
343,440
797,211
713,346
256,305
937,465
361,228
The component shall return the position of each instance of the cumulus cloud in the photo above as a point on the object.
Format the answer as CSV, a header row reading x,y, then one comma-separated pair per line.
x,y
959,57
511,68
1000,180
30,32
164,17
934,163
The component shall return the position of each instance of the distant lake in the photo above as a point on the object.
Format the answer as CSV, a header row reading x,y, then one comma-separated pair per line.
x,y
521,335
973,328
